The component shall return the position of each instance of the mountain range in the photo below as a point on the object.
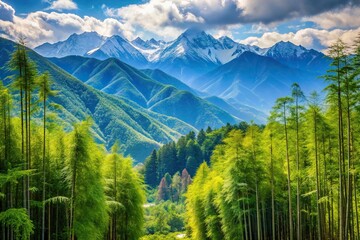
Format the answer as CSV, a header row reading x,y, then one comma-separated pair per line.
x,y
147,93
242,75
125,103
120,79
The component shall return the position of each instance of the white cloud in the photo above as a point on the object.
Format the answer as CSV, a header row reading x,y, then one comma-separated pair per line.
x,y
341,18
308,37
6,12
160,16
63,5
40,27
168,19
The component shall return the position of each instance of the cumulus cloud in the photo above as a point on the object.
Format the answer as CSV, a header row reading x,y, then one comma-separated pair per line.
x,y
308,37
40,27
347,17
6,12
63,5
157,15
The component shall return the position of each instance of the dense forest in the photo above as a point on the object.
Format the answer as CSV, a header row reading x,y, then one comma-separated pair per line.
x,y
297,178
57,184
294,178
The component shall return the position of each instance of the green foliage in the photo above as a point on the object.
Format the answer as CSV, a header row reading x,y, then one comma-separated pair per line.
x,y
19,221
151,177
88,197
125,189
170,236
164,217
187,153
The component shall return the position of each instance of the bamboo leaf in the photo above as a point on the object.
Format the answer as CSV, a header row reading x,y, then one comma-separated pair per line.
x,y
57,199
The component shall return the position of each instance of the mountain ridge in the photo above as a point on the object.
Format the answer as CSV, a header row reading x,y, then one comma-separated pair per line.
x,y
138,129
115,77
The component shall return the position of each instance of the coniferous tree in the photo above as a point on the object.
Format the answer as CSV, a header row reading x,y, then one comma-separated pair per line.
x,y
151,170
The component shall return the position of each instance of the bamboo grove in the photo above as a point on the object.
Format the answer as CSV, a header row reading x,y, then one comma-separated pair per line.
x,y
56,184
296,177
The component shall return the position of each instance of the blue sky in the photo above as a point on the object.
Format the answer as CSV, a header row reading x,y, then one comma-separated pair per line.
x,y
85,7
313,24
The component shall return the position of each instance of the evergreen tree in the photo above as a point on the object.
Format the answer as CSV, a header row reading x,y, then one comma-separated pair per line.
x,y
194,156
151,171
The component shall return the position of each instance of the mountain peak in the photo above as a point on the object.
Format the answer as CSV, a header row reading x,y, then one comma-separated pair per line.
x,y
286,49
227,42
154,42
91,34
192,34
138,41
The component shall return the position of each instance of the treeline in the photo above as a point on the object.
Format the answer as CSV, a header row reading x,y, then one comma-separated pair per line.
x,y
295,179
56,184
187,153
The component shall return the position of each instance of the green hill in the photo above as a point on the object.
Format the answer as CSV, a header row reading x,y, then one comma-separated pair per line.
x,y
160,95
138,130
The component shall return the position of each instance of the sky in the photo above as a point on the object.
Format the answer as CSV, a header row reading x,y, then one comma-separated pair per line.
x,y
310,23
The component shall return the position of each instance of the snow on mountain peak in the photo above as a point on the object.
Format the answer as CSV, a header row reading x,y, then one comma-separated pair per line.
x,y
75,44
138,42
286,49
193,48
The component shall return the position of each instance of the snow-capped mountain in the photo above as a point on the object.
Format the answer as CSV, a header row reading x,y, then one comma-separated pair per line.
x,y
195,43
298,57
120,48
193,49
149,48
76,44
148,44
195,52
91,44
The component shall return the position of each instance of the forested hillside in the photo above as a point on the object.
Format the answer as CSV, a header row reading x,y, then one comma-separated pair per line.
x,y
57,184
114,118
294,178
297,178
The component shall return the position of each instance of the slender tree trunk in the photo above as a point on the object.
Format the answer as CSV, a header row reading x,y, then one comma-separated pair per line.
x,y
115,191
29,147
272,189
264,230
288,174
49,221
245,225
43,172
317,178
23,160
72,206
249,218
356,210
298,213
258,217
349,178
341,214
